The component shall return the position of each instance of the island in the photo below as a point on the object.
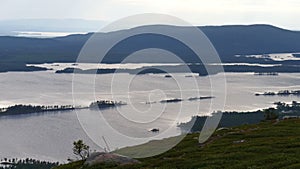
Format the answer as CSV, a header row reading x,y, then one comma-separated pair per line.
x,y
201,98
231,119
266,74
200,69
29,109
280,93
103,104
171,101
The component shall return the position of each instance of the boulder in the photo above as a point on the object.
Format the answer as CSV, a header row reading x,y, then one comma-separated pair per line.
x,y
102,158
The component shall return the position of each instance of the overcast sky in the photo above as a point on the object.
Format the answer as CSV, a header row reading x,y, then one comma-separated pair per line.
x,y
283,13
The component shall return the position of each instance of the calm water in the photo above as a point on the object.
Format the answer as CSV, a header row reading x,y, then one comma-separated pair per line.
x,y
49,136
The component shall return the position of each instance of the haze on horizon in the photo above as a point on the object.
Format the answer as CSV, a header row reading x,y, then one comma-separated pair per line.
x,y
198,12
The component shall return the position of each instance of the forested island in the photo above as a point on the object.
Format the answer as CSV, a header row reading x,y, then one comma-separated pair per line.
x,y
280,93
29,109
103,104
176,100
201,98
231,119
200,69
266,74
171,100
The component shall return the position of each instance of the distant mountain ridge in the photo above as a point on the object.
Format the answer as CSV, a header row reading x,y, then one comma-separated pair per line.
x,y
12,27
228,40
252,39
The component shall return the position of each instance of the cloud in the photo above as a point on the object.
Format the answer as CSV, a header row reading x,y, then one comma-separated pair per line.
x,y
199,12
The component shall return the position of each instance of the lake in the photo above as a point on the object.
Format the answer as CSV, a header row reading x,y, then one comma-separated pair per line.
x,y
49,136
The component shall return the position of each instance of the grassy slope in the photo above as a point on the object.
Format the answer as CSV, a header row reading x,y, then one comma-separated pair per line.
x,y
267,145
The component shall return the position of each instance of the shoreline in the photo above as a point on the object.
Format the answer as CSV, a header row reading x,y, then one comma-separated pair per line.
x,y
146,68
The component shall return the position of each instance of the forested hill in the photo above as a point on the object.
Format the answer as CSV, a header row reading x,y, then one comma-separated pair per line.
x,y
228,41
253,39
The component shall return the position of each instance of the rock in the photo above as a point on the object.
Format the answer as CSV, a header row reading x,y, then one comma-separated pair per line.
x,y
155,130
102,157
239,141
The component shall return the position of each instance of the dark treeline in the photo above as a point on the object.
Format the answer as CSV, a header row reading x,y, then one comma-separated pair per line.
x,y
202,70
280,93
103,104
287,110
26,164
176,100
171,101
27,109
231,119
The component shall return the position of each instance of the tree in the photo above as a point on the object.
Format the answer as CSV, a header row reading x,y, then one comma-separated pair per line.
x,y
80,149
270,114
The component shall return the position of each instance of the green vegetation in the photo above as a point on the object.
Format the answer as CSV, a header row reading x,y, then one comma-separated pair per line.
x,y
283,111
271,114
26,164
270,144
285,108
72,165
81,149
80,165
231,119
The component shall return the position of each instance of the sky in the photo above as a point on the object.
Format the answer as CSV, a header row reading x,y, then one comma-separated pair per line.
x,y
282,13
